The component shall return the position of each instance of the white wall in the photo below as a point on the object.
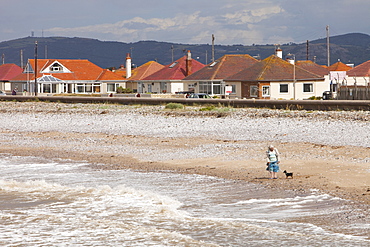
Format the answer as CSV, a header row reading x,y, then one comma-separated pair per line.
x,y
318,88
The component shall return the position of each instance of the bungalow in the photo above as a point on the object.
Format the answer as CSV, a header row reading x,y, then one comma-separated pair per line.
x,y
356,85
7,73
359,75
169,78
275,78
210,79
338,75
142,72
58,76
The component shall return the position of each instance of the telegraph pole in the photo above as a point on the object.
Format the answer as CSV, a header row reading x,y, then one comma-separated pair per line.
x,y
21,58
172,51
36,68
328,44
213,47
307,55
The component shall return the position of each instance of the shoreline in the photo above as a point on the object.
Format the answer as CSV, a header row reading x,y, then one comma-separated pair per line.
x,y
339,170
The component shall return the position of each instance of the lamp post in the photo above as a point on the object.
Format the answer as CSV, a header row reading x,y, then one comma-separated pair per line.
x,y
292,61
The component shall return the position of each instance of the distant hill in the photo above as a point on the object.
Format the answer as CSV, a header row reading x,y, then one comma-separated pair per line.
x,y
349,48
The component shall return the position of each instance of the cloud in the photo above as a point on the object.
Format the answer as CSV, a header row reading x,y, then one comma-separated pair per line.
x,y
185,28
231,21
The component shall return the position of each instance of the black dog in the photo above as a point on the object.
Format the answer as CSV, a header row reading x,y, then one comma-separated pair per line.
x,y
288,174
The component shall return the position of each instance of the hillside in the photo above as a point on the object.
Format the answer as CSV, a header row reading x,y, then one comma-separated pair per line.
x,y
353,48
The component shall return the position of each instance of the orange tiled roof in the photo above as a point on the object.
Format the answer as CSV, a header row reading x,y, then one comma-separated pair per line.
x,y
223,67
80,70
9,71
313,67
339,66
273,68
175,70
362,70
145,70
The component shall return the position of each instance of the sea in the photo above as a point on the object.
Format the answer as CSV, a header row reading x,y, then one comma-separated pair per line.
x,y
68,203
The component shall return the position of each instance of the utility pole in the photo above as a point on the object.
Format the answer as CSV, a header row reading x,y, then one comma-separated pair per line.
x,y
328,44
21,58
46,51
172,52
3,58
213,47
307,56
36,68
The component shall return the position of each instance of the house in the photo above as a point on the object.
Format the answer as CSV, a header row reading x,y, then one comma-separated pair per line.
x,y
142,72
359,75
337,76
8,72
275,78
356,85
169,79
58,76
210,79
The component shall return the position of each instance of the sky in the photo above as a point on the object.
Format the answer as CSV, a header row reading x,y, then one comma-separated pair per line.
x,y
232,22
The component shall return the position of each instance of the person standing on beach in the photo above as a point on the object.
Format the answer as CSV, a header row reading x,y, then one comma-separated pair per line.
x,y
273,161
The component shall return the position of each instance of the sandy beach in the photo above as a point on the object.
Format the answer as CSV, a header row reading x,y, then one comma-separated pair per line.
x,y
326,151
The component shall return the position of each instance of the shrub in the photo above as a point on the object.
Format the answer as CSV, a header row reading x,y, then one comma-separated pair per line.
x,y
174,106
123,90
208,108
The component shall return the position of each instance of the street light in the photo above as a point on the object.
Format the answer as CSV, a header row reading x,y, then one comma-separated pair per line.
x,y
294,79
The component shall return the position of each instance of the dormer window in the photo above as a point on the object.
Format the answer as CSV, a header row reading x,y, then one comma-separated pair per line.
x,y
56,67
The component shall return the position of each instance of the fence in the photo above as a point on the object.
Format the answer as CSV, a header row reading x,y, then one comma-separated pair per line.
x,y
354,93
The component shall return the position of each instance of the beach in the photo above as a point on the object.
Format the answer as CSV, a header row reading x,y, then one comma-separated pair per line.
x,y
326,151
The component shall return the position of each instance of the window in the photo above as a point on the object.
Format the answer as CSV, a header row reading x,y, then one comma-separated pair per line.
x,y
205,87
253,91
163,87
283,88
307,87
265,91
173,64
112,87
233,88
56,67
216,88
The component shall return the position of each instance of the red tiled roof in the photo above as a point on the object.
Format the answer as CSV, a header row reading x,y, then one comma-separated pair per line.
x,y
175,70
362,70
273,68
81,70
223,67
145,70
313,67
339,66
9,71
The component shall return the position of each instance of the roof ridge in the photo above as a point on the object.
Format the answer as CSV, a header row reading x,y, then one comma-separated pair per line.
x,y
268,61
218,67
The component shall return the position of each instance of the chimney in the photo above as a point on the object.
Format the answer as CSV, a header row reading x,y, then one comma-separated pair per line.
x,y
188,64
128,66
279,52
